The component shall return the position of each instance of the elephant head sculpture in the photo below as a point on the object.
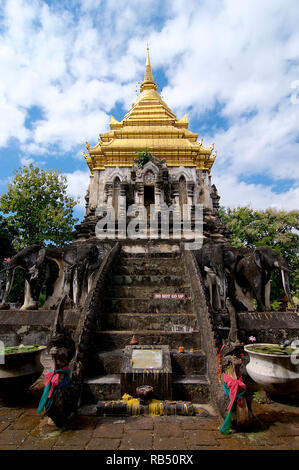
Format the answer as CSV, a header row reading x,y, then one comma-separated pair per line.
x,y
268,260
251,272
31,260
88,260
77,263
67,270
210,260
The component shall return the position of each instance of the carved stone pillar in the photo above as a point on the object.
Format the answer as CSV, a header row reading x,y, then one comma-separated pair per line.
x,y
122,210
176,193
109,193
190,193
177,209
139,195
123,199
158,194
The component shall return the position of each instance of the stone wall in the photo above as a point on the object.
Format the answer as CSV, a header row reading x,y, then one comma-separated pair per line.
x,y
92,309
268,327
31,327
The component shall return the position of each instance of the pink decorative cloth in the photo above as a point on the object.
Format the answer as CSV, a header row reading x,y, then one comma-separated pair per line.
x,y
53,378
233,385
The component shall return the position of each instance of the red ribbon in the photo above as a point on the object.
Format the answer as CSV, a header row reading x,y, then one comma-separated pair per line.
x,y
233,385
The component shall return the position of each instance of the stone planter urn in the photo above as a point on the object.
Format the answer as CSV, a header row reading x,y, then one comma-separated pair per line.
x,y
278,374
20,370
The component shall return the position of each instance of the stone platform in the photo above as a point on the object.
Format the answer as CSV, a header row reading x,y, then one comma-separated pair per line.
x,y
147,365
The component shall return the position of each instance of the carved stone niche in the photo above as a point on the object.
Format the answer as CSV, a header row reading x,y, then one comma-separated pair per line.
x,y
154,170
149,178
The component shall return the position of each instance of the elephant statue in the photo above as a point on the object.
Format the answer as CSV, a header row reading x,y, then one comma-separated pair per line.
x,y
78,264
210,260
31,260
88,261
251,272
67,270
213,283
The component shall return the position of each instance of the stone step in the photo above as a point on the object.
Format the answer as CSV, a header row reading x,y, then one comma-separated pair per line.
x,y
147,279
187,363
104,387
141,305
147,321
151,269
146,291
151,255
113,339
194,388
159,248
146,262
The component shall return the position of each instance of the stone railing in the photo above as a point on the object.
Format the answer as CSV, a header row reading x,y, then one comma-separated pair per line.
x,y
208,337
68,399
92,307
268,327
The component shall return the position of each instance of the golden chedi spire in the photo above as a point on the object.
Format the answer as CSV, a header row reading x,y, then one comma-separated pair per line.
x,y
148,82
149,124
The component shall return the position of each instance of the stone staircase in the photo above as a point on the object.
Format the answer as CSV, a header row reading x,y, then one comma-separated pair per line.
x,y
130,308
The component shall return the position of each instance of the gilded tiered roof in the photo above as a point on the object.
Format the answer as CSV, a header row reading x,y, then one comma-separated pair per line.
x,y
149,124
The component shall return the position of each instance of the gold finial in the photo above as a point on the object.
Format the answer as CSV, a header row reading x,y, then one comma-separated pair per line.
x,y
148,70
148,81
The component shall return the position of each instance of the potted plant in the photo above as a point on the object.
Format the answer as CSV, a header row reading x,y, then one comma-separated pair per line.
x,y
143,157
20,367
273,366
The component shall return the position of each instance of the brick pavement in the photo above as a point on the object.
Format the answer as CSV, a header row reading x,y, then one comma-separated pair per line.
x,y
21,428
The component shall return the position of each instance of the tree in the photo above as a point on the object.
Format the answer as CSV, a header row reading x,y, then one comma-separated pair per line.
x,y
276,229
6,240
38,207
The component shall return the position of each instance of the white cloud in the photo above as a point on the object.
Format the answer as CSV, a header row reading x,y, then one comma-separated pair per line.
x,y
236,193
26,161
234,59
77,185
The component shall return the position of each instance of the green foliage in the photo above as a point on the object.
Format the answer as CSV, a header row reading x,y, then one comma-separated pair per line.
x,y
276,349
143,157
6,239
42,297
276,306
275,229
257,397
17,291
38,207
19,349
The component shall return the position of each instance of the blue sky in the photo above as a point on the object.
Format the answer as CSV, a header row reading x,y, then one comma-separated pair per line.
x,y
233,66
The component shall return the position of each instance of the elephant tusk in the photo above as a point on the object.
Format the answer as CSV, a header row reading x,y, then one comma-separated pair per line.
x,y
286,288
283,282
